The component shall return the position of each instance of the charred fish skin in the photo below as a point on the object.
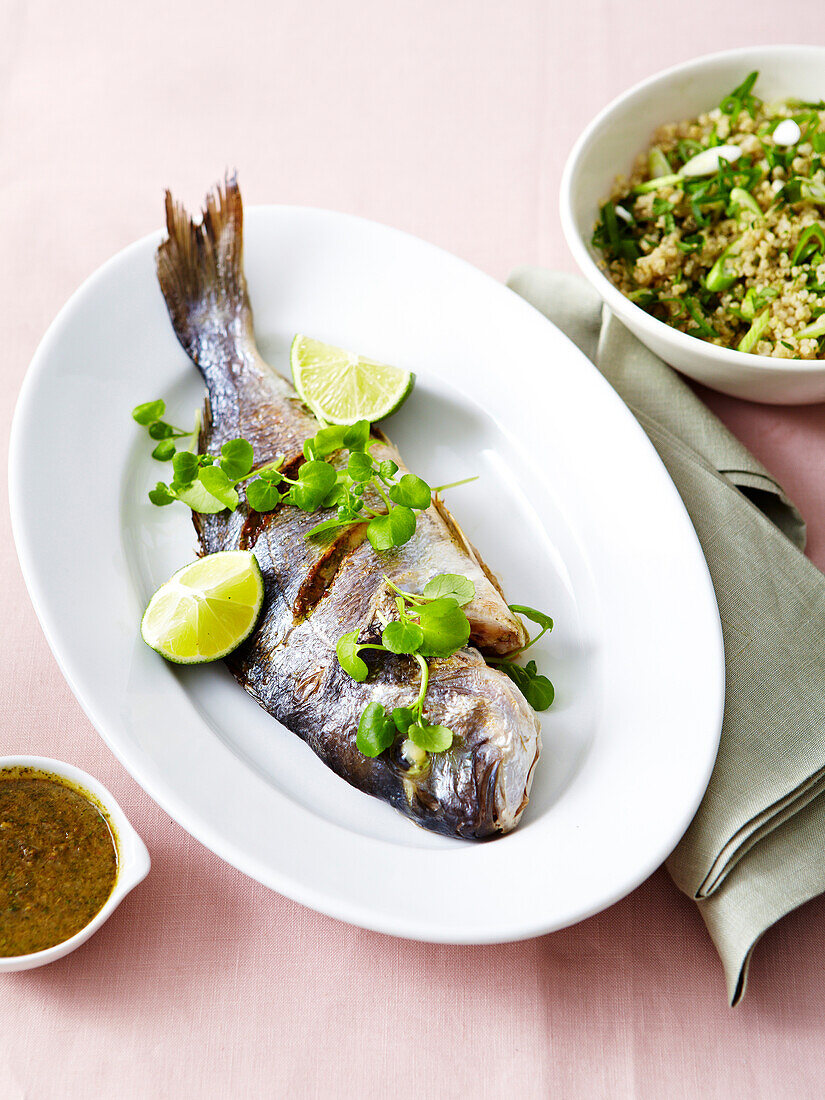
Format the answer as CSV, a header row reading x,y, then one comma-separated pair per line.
x,y
319,589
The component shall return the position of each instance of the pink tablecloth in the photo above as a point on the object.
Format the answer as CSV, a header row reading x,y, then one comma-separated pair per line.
x,y
451,119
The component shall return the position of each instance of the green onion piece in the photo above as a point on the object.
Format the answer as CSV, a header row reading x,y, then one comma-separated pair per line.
x,y
703,326
799,189
743,202
755,332
655,184
657,163
721,275
755,299
740,98
811,240
643,297
813,331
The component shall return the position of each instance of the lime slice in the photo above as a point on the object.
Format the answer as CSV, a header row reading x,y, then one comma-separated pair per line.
x,y
206,609
341,387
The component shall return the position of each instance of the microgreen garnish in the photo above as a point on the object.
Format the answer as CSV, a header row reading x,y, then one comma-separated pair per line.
x,y
431,624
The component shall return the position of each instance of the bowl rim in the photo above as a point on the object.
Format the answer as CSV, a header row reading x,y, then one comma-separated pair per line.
x,y
133,862
618,302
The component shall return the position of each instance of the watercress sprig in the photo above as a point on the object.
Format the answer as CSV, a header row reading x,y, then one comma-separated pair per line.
x,y
364,489
536,689
431,624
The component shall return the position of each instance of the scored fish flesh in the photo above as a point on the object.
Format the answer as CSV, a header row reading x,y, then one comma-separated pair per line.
x,y
318,589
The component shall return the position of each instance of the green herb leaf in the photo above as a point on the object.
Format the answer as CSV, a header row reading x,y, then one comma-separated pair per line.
x,y
360,466
445,626
454,585
357,435
346,650
185,466
394,529
540,618
431,738
161,495
400,637
147,412
263,494
412,492
164,450
161,430
198,498
403,717
218,485
376,730
536,689
388,469
539,693
236,459
325,442
315,480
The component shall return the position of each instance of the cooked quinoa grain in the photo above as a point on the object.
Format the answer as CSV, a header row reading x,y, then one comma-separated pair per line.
x,y
719,230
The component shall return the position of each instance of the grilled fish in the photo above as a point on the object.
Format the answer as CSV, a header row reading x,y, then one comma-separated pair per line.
x,y
318,589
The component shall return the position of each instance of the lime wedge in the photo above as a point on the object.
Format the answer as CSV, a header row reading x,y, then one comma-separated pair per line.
x,y
206,609
341,387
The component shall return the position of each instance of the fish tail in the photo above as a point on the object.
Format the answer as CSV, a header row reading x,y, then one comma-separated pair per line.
x,y
200,270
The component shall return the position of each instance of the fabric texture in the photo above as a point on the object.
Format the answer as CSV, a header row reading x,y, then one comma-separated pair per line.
x,y
754,850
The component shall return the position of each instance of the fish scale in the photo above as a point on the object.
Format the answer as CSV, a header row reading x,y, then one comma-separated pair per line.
x,y
318,589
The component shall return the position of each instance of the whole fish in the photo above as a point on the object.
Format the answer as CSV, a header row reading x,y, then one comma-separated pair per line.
x,y
318,589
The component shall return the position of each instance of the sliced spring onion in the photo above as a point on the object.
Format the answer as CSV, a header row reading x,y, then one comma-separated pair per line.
x,y
742,202
708,161
813,331
787,132
810,242
722,275
740,97
799,189
658,164
655,184
755,332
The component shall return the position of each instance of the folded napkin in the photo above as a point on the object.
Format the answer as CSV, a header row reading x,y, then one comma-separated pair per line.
x,y
755,849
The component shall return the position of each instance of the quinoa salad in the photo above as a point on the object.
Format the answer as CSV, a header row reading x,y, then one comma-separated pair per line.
x,y
720,229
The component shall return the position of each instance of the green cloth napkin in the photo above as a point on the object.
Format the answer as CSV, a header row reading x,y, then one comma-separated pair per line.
x,y
754,850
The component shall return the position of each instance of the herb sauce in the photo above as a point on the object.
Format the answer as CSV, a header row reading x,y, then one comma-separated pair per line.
x,y
58,861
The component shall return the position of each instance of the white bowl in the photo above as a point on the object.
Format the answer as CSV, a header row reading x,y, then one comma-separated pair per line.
x,y
608,148
132,857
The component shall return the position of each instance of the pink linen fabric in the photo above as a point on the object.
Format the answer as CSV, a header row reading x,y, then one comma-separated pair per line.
x,y
449,119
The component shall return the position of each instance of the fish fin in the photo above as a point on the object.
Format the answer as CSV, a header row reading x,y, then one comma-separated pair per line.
x,y
200,270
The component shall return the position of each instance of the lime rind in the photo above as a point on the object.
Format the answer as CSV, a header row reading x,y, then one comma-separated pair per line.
x,y
206,609
341,387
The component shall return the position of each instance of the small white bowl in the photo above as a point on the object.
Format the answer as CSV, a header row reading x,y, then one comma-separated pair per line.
x,y
132,857
609,146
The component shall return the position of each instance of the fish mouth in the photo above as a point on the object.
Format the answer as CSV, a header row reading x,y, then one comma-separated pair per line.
x,y
480,793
